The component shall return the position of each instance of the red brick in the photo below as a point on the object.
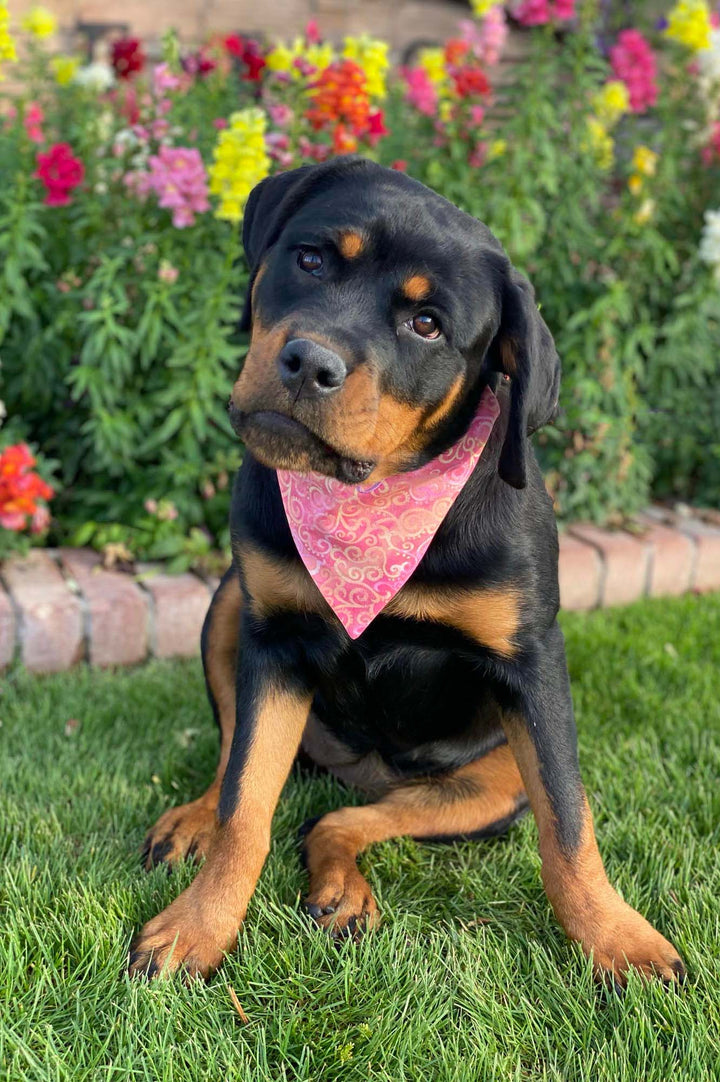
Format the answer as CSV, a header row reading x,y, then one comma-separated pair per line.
x,y
7,630
580,571
625,561
116,607
179,605
671,560
51,619
706,574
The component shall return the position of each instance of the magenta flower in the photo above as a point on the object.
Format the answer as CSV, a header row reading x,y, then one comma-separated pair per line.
x,y
633,61
164,79
177,176
539,12
420,91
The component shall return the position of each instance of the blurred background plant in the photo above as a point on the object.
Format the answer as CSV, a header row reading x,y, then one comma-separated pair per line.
x,y
122,187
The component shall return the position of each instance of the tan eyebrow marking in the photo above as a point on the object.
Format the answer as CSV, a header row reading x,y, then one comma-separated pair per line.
x,y
351,244
417,287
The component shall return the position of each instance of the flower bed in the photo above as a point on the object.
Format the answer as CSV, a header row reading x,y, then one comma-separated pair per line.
x,y
122,187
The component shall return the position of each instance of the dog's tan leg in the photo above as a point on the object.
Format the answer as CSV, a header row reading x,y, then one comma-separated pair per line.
x,y
186,831
480,798
195,931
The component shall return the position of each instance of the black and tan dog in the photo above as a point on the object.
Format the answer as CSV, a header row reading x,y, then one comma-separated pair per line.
x,y
379,313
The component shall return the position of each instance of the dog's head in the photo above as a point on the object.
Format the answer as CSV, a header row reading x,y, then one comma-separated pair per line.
x,y
379,312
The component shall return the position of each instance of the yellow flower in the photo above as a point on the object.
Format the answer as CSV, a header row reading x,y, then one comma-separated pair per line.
x,y
599,143
445,110
433,61
635,184
645,211
280,58
372,56
644,161
689,23
283,57
40,22
320,55
240,161
497,148
482,7
7,45
611,102
64,68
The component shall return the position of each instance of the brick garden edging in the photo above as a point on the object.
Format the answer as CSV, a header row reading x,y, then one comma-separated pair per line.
x,y
59,607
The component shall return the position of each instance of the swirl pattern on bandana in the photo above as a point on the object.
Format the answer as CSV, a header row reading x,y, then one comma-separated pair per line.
x,y
361,545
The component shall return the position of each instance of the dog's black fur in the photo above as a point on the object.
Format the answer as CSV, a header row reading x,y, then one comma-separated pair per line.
x,y
344,257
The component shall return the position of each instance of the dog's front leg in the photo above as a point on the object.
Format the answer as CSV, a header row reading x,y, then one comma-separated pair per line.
x,y
195,931
541,731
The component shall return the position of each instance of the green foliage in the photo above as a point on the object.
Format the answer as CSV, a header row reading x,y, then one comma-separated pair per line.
x,y
118,330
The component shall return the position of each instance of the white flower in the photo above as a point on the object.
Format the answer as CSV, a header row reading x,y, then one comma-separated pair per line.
x,y
709,250
97,76
3,411
709,59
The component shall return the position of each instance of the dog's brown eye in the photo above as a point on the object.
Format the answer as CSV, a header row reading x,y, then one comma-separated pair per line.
x,y
310,260
424,325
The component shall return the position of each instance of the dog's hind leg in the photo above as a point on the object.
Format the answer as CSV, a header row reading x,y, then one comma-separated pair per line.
x,y
185,831
478,800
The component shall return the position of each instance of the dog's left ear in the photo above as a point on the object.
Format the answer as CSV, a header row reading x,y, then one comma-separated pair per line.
x,y
268,206
525,351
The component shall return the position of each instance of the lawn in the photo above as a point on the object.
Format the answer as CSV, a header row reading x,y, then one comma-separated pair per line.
x,y
469,977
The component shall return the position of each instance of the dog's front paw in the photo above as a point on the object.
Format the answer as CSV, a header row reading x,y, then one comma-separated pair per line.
x,y
343,904
627,941
191,936
180,833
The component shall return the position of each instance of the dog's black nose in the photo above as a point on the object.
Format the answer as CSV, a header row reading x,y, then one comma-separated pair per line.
x,y
309,369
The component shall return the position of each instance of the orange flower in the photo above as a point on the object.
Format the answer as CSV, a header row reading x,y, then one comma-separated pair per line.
x,y
339,97
20,489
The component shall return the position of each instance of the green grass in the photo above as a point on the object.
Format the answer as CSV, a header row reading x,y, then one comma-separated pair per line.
x,y
469,977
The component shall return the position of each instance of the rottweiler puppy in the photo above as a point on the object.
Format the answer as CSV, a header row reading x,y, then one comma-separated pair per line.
x,y
381,315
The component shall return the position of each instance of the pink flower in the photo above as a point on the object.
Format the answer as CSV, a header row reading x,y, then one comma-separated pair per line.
x,y
167,273
487,39
711,152
164,79
376,129
220,122
478,156
32,120
40,520
281,115
420,91
633,61
177,176
312,33
477,114
539,12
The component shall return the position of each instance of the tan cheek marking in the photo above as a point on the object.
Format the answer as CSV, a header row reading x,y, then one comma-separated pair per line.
x,y
279,585
258,373
351,244
417,287
440,412
487,616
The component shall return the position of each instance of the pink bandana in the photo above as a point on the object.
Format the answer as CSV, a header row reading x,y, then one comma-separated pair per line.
x,y
361,545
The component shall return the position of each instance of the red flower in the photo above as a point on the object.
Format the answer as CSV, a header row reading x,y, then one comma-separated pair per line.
x,y
20,489
400,165
376,127
234,44
127,57
60,171
469,81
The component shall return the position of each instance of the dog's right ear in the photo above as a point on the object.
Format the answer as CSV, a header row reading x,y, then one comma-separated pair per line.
x,y
268,207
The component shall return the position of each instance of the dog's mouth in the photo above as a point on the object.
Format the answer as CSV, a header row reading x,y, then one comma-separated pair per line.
x,y
283,443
